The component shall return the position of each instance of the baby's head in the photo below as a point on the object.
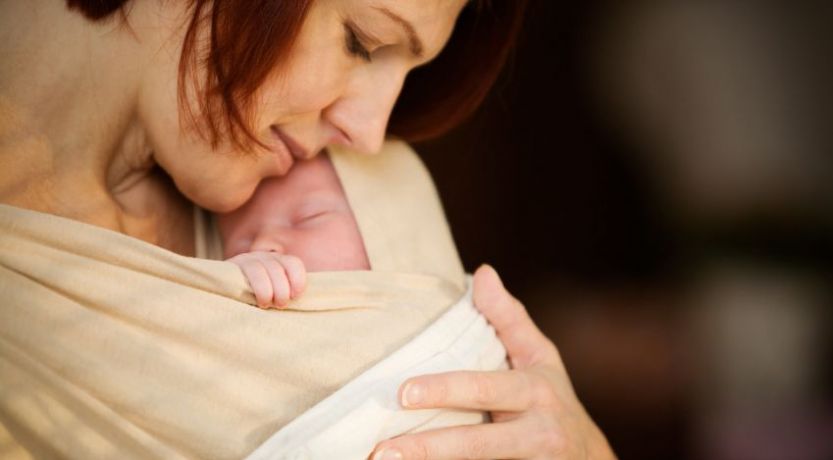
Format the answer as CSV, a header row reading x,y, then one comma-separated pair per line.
x,y
304,214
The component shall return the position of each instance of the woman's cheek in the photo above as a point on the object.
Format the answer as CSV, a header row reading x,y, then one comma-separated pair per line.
x,y
315,83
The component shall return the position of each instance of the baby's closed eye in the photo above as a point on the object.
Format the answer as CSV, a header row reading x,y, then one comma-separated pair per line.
x,y
314,215
313,218
314,212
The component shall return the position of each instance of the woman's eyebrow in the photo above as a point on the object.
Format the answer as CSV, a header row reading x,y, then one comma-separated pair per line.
x,y
415,44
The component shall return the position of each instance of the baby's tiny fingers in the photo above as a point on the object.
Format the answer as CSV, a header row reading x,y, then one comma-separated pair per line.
x,y
280,283
259,281
296,272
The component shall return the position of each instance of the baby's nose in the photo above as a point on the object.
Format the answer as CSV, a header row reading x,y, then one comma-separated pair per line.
x,y
268,243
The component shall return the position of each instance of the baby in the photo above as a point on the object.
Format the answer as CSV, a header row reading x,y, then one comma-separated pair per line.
x,y
293,224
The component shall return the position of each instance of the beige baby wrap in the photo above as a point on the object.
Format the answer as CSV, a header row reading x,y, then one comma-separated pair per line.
x,y
113,347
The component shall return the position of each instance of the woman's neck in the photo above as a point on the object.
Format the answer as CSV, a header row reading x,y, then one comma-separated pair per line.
x,y
68,125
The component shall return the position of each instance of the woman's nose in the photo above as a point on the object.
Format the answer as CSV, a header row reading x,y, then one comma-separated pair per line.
x,y
363,113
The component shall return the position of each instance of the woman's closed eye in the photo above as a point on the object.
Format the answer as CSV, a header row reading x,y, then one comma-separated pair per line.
x,y
354,44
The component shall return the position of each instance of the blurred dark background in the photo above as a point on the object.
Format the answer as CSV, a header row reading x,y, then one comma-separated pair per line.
x,y
654,181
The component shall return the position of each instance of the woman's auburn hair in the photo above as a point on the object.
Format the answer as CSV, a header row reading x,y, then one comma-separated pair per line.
x,y
248,39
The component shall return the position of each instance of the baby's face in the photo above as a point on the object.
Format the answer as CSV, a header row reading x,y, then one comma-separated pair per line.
x,y
304,214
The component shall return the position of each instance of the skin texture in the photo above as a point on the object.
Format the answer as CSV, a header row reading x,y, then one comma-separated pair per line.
x,y
89,122
297,223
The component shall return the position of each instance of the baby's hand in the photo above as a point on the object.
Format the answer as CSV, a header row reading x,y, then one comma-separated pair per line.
x,y
275,278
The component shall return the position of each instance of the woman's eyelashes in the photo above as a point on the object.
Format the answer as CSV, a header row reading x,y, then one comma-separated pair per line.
x,y
354,45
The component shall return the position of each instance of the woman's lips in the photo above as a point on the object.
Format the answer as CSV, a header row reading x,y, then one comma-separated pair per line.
x,y
291,145
283,156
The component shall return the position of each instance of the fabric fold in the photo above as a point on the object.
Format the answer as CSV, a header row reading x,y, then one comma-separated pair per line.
x,y
109,336
114,347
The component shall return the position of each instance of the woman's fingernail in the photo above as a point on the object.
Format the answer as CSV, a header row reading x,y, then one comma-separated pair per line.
x,y
495,275
412,395
388,454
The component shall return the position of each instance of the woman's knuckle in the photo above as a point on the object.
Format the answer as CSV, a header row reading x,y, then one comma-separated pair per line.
x,y
417,450
484,389
542,391
551,437
475,446
552,443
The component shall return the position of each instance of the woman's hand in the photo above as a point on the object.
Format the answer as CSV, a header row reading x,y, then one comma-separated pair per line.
x,y
535,411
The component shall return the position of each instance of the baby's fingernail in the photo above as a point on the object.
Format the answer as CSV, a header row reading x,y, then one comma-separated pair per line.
x,y
412,395
388,454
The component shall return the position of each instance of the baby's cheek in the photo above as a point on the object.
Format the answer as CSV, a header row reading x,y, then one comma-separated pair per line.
x,y
330,248
233,233
358,255
350,255
234,247
319,257
359,259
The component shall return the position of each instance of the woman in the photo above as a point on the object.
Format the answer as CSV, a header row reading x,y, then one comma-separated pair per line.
x,y
123,114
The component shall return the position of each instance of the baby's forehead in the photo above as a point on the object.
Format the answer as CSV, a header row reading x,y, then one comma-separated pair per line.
x,y
320,197
315,176
315,173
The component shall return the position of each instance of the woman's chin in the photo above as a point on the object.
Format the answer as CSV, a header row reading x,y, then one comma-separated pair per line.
x,y
213,199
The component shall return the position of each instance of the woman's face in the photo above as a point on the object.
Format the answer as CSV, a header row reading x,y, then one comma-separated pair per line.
x,y
338,86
